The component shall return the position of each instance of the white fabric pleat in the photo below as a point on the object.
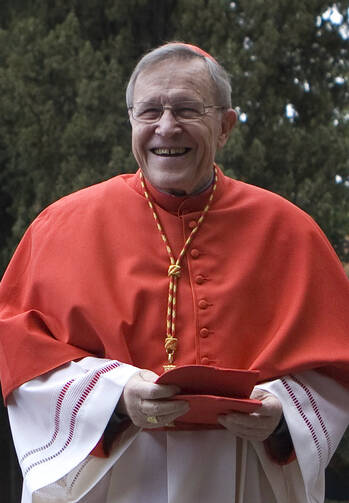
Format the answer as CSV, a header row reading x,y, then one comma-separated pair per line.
x,y
58,418
140,475
167,467
201,466
316,409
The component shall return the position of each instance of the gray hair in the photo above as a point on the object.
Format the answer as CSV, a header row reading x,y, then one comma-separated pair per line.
x,y
220,78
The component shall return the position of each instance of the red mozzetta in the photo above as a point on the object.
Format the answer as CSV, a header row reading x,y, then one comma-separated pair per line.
x,y
260,288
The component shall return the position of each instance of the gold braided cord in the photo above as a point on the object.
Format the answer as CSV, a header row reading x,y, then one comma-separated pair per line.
x,y
174,270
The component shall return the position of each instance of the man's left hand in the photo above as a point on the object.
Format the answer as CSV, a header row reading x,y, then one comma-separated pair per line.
x,y
257,425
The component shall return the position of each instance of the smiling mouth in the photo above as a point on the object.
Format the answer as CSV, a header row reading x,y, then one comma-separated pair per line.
x,y
170,152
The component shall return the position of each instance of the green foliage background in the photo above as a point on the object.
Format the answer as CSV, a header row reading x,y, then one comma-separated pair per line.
x,y
63,122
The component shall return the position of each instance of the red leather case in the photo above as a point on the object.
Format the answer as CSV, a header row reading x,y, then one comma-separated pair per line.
x,y
211,391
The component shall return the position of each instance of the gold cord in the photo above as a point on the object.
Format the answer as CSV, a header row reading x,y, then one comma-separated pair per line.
x,y
174,271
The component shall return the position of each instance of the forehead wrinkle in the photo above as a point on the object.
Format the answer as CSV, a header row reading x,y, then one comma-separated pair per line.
x,y
192,82
172,97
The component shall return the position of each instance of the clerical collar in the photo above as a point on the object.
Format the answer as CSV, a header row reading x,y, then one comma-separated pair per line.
x,y
176,204
206,186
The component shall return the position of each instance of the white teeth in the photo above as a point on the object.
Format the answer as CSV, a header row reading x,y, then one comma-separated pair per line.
x,y
177,150
169,151
161,151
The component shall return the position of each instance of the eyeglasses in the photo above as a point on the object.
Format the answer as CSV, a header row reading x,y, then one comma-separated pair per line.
x,y
184,111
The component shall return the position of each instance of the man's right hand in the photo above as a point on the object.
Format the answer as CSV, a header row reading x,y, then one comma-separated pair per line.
x,y
143,399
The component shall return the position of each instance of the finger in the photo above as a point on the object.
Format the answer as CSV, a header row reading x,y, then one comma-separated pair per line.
x,y
140,419
164,420
270,403
163,407
247,421
263,427
243,431
253,426
151,390
148,375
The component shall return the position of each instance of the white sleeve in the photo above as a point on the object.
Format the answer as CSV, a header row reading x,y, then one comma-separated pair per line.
x,y
316,409
56,421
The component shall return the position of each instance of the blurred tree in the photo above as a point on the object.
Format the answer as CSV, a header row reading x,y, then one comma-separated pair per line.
x,y
62,115
289,64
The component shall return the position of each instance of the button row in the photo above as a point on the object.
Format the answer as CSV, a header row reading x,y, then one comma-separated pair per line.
x,y
194,253
199,279
204,332
203,304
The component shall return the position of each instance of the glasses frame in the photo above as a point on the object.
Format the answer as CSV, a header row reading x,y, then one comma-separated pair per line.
x,y
170,107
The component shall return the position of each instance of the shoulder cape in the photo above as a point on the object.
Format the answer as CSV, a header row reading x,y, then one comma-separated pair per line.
x,y
89,279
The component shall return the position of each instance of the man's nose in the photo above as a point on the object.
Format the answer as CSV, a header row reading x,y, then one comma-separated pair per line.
x,y
167,124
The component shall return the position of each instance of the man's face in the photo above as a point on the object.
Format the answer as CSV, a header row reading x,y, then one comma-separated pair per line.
x,y
178,157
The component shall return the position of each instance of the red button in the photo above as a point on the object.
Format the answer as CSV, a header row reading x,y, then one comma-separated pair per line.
x,y
199,279
203,304
204,332
192,224
205,360
195,253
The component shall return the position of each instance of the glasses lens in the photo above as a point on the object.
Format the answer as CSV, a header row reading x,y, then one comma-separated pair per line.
x,y
183,111
147,112
188,110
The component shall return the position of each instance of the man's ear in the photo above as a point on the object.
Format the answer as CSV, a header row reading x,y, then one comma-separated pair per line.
x,y
229,118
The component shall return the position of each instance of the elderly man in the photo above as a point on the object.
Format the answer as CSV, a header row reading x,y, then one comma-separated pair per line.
x,y
174,265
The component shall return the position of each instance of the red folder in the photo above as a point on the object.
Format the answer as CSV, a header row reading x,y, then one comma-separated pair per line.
x,y
211,391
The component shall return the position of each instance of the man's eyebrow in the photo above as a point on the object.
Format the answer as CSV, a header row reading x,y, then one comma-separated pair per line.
x,y
173,99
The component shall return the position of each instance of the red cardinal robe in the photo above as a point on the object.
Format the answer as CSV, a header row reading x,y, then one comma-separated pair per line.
x,y
261,287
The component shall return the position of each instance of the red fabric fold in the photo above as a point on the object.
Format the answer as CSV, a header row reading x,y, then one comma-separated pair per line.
x,y
260,286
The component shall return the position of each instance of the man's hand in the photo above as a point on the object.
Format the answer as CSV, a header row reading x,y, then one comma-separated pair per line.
x,y
142,398
258,425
